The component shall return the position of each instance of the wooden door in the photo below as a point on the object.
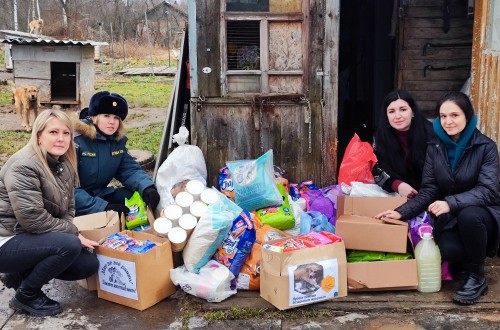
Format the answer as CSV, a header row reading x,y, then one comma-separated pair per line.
x,y
486,66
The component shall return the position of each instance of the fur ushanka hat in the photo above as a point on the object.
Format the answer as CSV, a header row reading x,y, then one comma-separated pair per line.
x,y
111,103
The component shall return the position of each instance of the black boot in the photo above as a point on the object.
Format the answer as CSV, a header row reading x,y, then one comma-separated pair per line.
x,y
11,280
35,303
474,287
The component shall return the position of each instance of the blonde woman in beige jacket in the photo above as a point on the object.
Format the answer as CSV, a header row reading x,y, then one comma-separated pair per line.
x,y
38,240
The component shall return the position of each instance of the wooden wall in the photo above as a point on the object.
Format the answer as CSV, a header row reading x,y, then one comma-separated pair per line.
x,y
423,23
228,128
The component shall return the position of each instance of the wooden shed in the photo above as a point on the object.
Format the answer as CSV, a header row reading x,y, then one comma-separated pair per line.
x,y
302,76
63,70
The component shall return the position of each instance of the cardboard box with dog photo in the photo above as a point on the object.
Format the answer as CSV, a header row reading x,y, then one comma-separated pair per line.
x,y
96,227
136,280
303,276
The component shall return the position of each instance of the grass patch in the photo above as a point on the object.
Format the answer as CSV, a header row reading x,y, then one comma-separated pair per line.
x,y
237,313
138,91
5,95
12,141
145,138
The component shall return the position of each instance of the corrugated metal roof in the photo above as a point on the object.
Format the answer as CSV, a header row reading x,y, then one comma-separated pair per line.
x,y
23,38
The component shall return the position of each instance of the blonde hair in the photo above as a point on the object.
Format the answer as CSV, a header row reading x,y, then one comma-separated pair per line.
x,y
39,125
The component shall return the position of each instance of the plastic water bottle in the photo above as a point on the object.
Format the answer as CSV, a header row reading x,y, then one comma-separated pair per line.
x,y
428,264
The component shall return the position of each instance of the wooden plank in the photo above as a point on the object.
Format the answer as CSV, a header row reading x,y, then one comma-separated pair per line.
x,y
457,74
32,69
426,33
208,43
421,64
412,22
432,2
328,110
435,10
481,11
293,137
438,53
418,44
285,84
440,85
285,46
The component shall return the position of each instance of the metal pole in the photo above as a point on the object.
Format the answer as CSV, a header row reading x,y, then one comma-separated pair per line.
x,y
168,38
150,46
15,15
123,47
112,50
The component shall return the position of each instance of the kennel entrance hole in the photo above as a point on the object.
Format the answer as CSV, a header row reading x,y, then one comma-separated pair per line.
x,y
63,83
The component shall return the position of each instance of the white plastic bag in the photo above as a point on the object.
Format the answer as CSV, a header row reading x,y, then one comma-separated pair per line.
x,y
369,190
186,162
211,230
213,283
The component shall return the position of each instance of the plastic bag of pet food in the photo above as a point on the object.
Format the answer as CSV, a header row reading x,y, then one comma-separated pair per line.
x,y
208,234
249,276
314,221
225,183
238,243
280,217
138,215
254,184
303,241
323,200
213,283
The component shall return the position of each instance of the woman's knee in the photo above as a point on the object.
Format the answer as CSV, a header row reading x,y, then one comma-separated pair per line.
x,y
472,217
70,245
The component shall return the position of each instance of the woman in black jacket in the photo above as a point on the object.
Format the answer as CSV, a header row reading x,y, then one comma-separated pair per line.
x,y
460,186
400,143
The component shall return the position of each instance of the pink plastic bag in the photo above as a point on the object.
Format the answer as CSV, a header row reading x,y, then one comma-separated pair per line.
x,y
357,163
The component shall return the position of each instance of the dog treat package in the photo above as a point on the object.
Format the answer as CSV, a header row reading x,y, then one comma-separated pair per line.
x,y
254,183
225,183
249,276
280,217
138,215
304,241
238,243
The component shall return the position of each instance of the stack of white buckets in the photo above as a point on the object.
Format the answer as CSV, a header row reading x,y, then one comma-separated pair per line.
x,y
178,220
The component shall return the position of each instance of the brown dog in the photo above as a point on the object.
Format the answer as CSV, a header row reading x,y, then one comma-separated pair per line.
x,y
26,99
307,277
36,26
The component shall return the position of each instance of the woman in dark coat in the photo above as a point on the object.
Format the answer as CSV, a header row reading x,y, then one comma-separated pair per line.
x,y
460,186
102,155
400,144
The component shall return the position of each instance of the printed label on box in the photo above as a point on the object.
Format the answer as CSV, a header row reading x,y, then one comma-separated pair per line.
x,y
313,282
117,276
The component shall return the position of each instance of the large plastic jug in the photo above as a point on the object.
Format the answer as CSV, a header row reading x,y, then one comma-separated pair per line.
x,y
428,264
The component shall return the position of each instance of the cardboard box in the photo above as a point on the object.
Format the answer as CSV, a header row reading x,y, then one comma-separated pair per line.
x,y
382,275
96,227
282,285
360,231
136,280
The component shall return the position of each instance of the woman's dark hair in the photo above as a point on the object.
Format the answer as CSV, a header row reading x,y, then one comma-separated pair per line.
x,y
461,100
388,148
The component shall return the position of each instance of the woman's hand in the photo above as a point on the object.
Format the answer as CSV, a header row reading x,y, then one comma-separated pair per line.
x,y
87,242
439,207
407,191
388,214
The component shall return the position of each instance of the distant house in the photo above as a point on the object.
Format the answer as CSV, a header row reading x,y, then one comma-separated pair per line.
x,y
165,21
63,70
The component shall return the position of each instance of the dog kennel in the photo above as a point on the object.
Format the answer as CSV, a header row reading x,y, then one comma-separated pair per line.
x,y
63,70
